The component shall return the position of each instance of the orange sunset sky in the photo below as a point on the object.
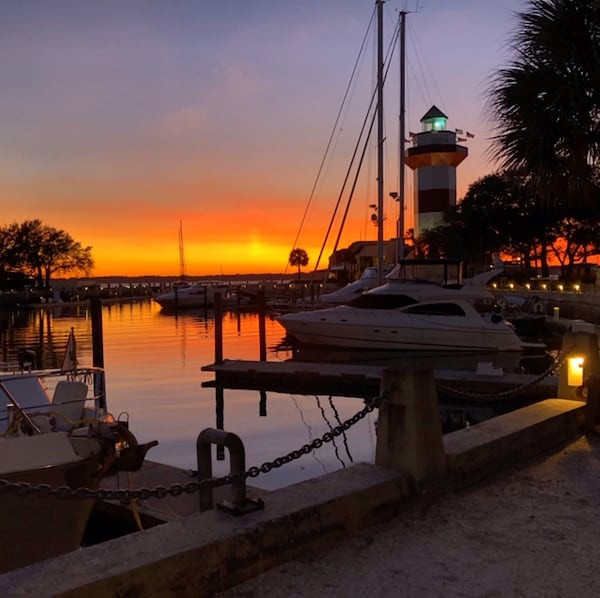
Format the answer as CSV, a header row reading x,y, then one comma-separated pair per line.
x,y
119,119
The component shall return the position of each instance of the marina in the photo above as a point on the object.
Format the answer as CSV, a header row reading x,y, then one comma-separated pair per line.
x,y
183,375
317,514
159,374
409,404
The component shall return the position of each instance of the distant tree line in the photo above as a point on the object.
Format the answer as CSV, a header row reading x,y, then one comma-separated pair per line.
x,y
32,253
542,206
500,215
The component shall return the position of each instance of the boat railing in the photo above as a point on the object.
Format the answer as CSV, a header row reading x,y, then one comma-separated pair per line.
x,y
46,399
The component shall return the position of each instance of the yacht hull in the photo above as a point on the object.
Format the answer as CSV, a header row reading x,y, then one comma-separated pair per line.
x,y
344,327
186,298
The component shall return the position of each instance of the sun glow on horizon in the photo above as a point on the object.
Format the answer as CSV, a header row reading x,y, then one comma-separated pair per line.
x,y
202,259
224,131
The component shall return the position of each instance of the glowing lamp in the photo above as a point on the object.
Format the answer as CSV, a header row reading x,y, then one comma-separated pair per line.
x,y
575,371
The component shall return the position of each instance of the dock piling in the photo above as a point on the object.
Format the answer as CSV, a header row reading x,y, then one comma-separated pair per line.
x,y
218,328
97,345
409,430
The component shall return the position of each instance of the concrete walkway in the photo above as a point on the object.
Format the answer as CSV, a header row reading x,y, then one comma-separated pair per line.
x,y
528,531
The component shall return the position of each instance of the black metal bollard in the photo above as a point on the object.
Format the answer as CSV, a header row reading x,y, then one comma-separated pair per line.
x,y
239,504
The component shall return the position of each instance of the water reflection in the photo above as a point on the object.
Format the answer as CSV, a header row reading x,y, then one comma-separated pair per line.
x,y
44,332
153,367
153,364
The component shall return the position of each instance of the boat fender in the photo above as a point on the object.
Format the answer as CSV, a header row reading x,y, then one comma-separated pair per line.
x,y
496,318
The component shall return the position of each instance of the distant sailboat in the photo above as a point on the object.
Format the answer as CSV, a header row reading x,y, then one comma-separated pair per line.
x,y
185,294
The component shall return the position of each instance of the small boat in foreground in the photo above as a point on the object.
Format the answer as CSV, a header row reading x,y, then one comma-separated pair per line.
x,y
56,436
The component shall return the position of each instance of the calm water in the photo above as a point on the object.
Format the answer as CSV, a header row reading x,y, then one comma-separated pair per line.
x,y
153,367
153,364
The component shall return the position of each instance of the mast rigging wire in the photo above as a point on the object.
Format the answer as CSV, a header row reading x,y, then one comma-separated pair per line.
x,y
333,132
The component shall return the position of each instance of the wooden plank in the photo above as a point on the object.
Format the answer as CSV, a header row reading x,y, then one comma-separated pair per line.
x,y
358,380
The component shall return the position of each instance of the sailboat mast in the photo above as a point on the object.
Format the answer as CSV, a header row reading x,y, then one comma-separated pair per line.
x,y
402,174
380,264
181,256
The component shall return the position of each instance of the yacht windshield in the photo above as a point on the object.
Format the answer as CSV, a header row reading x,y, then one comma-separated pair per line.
x,y
436,309
382,301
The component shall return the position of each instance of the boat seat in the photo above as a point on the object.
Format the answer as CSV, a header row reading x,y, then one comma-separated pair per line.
x,y
68,403
30,394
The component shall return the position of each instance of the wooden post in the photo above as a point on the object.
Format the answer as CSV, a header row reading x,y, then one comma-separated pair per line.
x,y
262,404
218,329
262,335
220,420
98,344
409,430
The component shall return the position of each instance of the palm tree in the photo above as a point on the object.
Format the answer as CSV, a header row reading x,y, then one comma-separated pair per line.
x,y
298,258
545,106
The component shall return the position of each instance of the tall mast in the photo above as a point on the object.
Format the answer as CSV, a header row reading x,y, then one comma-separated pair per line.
x,y
181,256
380,141
401,182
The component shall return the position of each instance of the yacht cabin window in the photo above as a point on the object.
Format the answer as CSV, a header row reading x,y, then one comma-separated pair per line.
x,y
382,301
436,309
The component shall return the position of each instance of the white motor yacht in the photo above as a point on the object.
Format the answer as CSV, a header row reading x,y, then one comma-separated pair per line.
x,y
409,314
190,295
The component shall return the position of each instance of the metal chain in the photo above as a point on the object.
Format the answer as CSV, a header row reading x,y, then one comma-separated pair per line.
x,y
45,490
558,362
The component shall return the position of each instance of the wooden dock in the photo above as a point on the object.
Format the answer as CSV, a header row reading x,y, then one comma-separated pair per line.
x,y
363,380
286,377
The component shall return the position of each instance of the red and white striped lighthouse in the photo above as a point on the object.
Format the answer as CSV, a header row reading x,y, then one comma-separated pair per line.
x,y
434,157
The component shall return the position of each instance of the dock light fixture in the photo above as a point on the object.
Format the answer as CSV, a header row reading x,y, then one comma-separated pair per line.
x,y
544,286
575,371
577,288
512,285
560,287
528,286
580,345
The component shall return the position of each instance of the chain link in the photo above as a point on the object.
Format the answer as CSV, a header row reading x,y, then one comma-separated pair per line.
x,y
44,490
558,362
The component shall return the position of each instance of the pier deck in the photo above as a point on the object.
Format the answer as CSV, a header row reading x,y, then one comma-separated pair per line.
x,y
358,380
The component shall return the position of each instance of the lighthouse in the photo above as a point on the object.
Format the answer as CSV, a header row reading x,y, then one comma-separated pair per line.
x,y
434,157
